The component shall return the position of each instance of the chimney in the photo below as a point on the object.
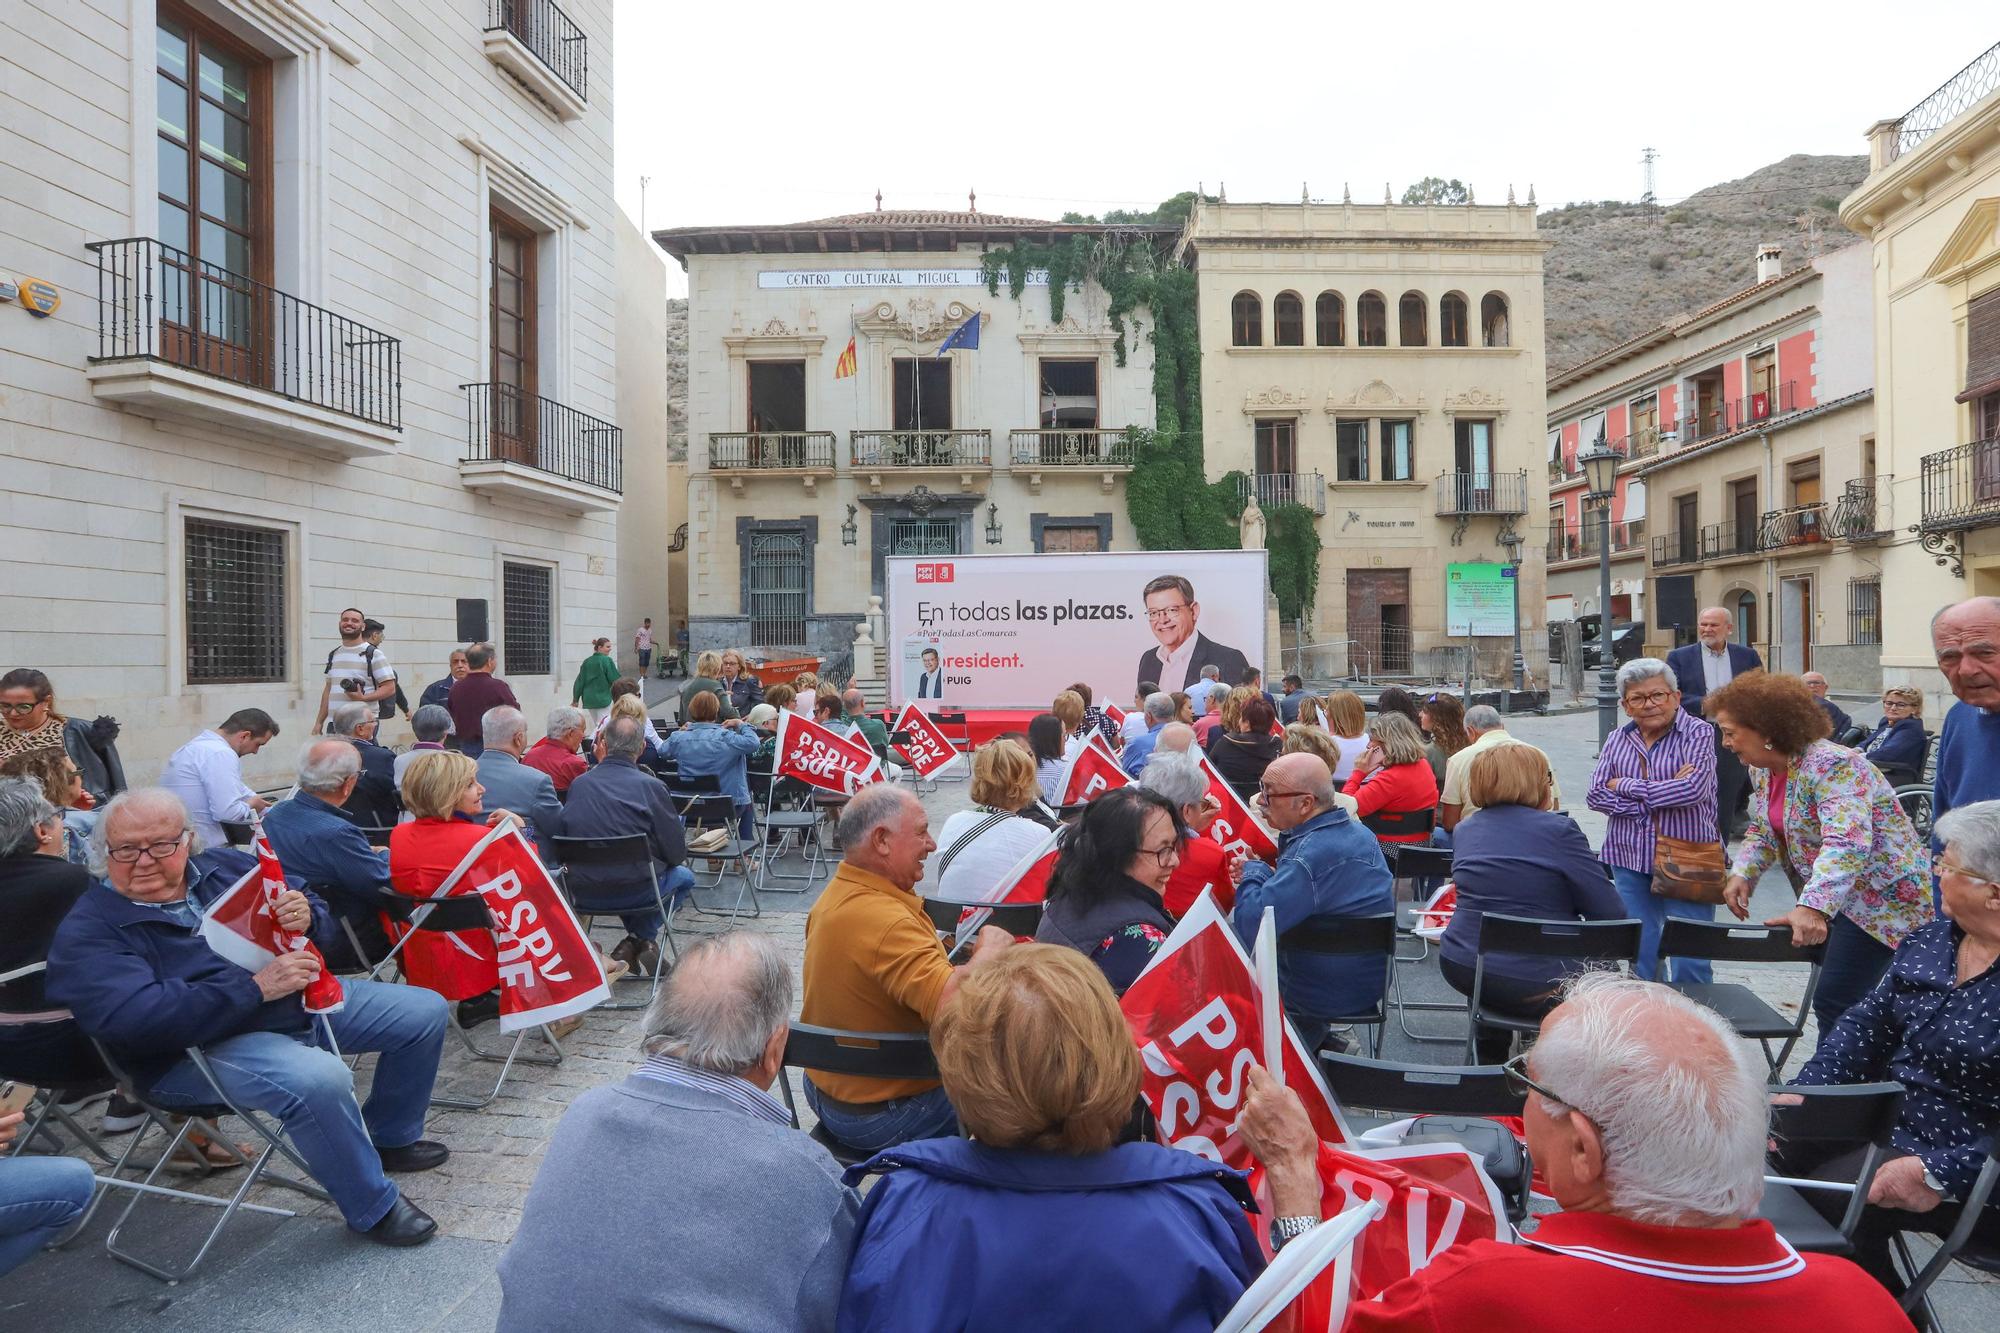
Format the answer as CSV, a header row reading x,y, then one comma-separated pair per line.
x,y
1770,262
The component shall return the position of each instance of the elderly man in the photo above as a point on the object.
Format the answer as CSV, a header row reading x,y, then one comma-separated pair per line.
x,y
1210,683
871,728
1709,664
1329,866
1815,682
511,784
1966,638
207,773
129,961
1176,738
1647,1118
753,1211
559,753
618,799
1138,749
375,803
430,724
1486,728
874,964
476,692
321,846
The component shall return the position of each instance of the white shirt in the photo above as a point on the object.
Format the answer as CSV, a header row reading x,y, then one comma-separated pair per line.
x,y
208,777
1350,748
1134,726
642,638
651,734
1174,666
978,867
1715,670
1198,693
359,663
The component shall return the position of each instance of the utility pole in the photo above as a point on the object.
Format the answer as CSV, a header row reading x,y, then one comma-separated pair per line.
x,y
1650,198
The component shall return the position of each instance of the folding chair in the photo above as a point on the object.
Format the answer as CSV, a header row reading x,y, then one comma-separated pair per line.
x,y
1726,942
1014,918
1415,863
860,1054
1842,1117
1958,1245
1396,1090
1348,937
1576,941
237,835
785,823
620,893
716,811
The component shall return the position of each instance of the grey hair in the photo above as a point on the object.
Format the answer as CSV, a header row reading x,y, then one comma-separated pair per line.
x,y
1974,832
1681,1103
499,726
1727,615
1176,775
23,809
137,800
324,764
1211,672
563,720
347,718
625,737
431,722
1484,717
1160,707
719,1006
1642,669
873,807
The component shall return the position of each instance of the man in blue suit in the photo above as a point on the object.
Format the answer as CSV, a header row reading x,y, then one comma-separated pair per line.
x,y
1708,665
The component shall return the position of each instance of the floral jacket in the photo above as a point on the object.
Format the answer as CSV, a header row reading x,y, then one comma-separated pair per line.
x,y
1847,847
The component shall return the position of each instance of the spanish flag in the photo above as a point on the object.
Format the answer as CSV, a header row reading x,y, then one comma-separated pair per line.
x,y
846,365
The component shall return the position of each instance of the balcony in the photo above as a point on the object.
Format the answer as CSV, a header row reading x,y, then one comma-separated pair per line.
x,y
1285,488
1466,493
1584,543
1854,516
538,44
1643,443
1108,453
932,450
1745,413
179,338
1960,94
1722,541
1961,487
800,453
1801,525
1677,548
525,447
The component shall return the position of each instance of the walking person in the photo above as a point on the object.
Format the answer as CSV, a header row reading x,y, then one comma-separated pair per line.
x,y
359,669
642,644
1702,668
594,679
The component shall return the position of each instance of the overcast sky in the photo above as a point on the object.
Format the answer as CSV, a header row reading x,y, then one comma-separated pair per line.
x,y
780,112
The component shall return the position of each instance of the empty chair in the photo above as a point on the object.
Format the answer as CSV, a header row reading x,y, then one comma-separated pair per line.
x,y
1579,942
1725,942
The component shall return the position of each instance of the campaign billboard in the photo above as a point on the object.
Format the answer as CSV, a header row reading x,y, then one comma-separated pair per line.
x,y
1012,631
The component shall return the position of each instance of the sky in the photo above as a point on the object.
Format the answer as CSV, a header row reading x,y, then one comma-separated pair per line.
x,y
782,112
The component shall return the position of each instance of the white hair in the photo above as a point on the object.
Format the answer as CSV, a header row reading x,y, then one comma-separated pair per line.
x,y
348,718
325,764
23,809
137,801
1211,672
625,737
563,720
1160,707
1728,616
1484,717
499,726
874,806
1973,831
719,1006
1681,1103
1176,775
431,722
1642,669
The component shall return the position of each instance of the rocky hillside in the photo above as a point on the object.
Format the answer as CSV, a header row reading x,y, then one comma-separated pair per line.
x,y
1618,269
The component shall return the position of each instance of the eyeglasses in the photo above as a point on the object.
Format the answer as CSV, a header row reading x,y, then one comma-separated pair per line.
x,y
159,851
1267,795
1947,867
1515,1071
1651,700
22,710
1166,855
1887,704
1165,612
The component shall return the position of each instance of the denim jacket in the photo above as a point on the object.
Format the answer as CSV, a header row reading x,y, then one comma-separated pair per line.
x,y
1328,867
709,749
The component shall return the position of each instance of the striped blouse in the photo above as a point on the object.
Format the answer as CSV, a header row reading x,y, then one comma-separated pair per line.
x,y
1648,791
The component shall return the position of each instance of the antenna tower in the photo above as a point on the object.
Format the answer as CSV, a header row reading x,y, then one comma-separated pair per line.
x,y
1650,198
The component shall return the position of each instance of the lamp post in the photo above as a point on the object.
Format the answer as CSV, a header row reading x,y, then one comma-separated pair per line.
x,y
1513,541
1600,471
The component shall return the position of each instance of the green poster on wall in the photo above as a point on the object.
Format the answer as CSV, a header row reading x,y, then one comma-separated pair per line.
x,y
1479,600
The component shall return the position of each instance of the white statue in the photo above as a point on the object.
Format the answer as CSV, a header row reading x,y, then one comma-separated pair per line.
x,y
1251,525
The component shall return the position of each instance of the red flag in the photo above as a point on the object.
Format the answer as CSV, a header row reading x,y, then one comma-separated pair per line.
x,y
241,926
929,751
1026,881
547,968
1090,771
1237,828
1115,713
822,758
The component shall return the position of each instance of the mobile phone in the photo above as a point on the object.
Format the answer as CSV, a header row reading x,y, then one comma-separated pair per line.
x,y
14,1096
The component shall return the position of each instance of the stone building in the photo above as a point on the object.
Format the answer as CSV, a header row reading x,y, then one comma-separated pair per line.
x,y
337,326
1382,365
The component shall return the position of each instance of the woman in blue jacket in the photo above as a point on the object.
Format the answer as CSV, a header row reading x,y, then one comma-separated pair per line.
x,y
1896,745
708,748
1042,1219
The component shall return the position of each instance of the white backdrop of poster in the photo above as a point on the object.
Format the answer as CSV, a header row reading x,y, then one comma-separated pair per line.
x,y
1012,631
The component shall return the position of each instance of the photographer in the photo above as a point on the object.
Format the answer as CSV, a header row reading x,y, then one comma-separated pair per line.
x,y
359,669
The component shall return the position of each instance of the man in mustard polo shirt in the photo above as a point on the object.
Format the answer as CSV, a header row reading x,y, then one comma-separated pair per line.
x,y
874,964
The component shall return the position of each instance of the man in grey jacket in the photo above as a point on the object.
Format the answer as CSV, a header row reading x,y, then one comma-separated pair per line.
x,y
728,1217
511,784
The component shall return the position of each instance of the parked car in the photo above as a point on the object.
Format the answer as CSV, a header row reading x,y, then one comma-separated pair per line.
x,y
1627,641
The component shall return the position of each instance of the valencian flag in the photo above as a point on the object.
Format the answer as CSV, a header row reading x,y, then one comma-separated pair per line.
x,y
241,926
846,365
965,335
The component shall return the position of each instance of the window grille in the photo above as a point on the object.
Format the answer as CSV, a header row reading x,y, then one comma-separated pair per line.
x,y
236,624
527,603
1864,610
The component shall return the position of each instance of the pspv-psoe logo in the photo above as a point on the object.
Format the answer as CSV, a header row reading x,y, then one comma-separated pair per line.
x,y
935,572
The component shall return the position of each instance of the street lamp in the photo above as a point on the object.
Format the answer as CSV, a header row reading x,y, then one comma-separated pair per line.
x,y
1600,472
1513,542
993,525
849,530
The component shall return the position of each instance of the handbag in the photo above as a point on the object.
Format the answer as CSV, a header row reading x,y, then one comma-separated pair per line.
x,y
1685,869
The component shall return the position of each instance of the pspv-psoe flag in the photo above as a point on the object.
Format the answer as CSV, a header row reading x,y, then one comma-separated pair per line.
x,y
1090,771
1237,828
1026,881
241,926
822,758
927,750
547,968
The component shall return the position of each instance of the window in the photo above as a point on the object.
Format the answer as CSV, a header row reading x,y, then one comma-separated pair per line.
x,y
1288,319
512,313
1986,418
1413,321
1396,452
1069,394
1982,363
923,536
1687,527
1746,618
1350,451
1330,320
1644,414
1472,446
1743,517
1246,321
776,576
1276,452
1864,610
1454,322
777,396
236,624
923,394
527,619
1071,537
1493,320
1371,314
1803,478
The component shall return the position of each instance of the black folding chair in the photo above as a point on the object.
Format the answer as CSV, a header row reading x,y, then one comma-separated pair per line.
x,y
1959,1245
1394,1090
1014,918
776,829
1572,941
705,814
1413,864
859,1055
1725,942
1349,937
237,835
625,869
1403,823
1831,1118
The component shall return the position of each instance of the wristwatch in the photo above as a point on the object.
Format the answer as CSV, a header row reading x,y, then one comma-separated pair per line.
x,y
1287,1229
1931,1182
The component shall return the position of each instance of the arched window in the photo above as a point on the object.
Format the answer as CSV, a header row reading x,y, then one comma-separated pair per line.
x,y
1246,321
1371,318
1745,610
1330,319
1454,321
1493,320
1288,320
1413,321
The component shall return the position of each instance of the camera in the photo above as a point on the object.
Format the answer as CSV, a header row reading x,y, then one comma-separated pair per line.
x,y
357,686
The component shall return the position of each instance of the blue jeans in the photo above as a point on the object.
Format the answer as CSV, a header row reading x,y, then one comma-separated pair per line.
x,y
40,1197
1855,962
1635,890
637,912
927,1115
311,1091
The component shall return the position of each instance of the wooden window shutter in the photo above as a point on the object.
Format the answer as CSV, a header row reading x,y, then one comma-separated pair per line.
x,y
1982,347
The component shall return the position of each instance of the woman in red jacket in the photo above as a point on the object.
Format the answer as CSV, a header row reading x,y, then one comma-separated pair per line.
x,y
1395,793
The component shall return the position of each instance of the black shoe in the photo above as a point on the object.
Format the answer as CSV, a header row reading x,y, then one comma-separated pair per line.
x,y
423,1155
626,951
647,961
403,1225
121,1116
479,1009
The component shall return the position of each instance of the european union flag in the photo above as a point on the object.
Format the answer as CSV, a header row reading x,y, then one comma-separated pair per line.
x,y
965,335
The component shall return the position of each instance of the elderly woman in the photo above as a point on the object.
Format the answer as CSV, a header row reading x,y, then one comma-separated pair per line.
x,y
28,707
1395,793
1930,1026
745,690
1179,776
1095,718
1068,709
37,1043
708,747
1655,776
1897,745
1346,720
979,845
706,679
1821,811
1104,894
62,785
1041,1218
1442,716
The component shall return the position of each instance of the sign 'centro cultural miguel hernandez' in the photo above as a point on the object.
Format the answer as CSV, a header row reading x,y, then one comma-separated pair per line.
x,y
885,277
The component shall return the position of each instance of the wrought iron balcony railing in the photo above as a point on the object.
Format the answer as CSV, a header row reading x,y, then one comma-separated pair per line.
x,y
503,424
1285,488
1959,94
1797,526
922,448
1073,448
1584,543
1482,493
771,450
1677,548
1722,540
1854,518
1961,487
157,303
549,34
1643,443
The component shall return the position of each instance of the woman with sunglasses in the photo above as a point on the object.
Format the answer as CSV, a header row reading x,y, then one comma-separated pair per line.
x,y
28,707
1897,744
1105,892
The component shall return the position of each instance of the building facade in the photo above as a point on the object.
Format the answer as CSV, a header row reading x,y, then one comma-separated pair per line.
x,y
1749,476
655,489
337,326
1383,365
1930,208
805,473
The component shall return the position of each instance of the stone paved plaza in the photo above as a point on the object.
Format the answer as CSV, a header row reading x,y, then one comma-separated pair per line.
x,y
308,1272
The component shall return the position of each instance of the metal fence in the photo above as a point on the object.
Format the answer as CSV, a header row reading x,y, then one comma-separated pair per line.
x,y
923,448
751,451
1482,493
1961,486
1864,611
1960,93
549,34
1285,488
1073,448
506,424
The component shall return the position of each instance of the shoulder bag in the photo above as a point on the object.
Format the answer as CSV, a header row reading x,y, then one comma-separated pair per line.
x,y
1683,868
